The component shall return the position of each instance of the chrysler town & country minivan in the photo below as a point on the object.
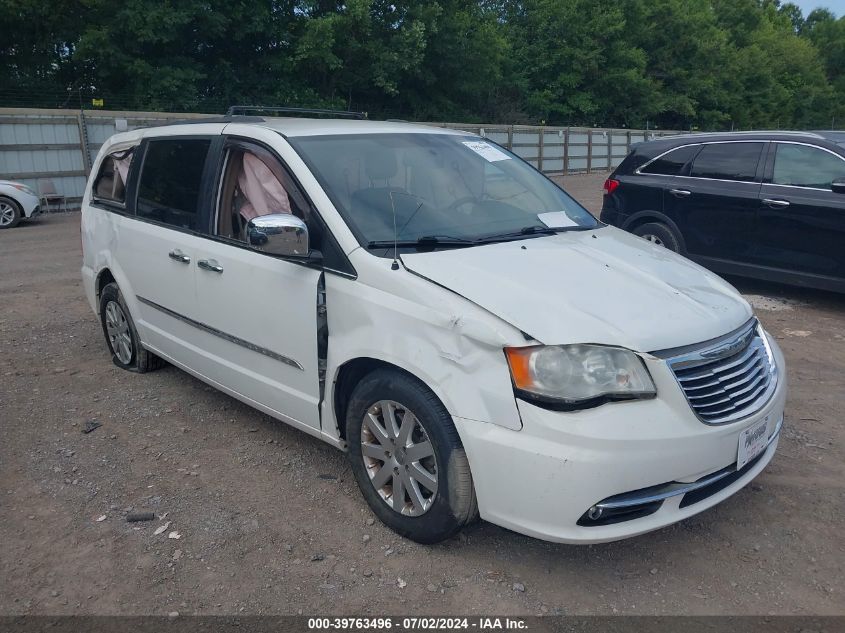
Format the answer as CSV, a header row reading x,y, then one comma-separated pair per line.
x,y
427,301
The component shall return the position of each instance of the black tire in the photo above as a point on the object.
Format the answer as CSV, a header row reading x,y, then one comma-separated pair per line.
x,y
10,206
453,505
661,234
138,360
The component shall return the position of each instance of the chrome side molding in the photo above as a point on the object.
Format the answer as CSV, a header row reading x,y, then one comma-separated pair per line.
x,y
228,337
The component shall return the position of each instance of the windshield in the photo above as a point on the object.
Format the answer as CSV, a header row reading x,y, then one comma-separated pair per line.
x,y
445,190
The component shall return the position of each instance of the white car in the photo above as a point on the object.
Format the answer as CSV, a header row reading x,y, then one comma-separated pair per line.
x,y
17,201
475,340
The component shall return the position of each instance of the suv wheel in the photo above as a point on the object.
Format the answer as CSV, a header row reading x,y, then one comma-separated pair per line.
x,y
10,213
407,457
121,335
660,234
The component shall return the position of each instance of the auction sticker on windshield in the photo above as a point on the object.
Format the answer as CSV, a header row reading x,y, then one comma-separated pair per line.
x,y
487,151
752,442
556,219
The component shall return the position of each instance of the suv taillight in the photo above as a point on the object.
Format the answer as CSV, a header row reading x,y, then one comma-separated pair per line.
x,y
610,185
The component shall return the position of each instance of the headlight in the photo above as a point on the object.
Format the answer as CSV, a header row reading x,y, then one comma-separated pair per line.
x,y
577,376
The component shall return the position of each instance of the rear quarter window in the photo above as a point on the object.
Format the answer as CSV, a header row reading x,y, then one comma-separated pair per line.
x,y
672,163
110,183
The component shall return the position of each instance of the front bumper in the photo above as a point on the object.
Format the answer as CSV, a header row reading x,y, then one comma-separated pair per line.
x,y
541,481
29,204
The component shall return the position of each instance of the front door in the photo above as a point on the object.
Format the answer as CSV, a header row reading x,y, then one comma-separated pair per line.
x,y
715,206
258,312
802,221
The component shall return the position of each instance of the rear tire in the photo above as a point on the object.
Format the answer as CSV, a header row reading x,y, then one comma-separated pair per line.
x,y
402,441
660,234
121,336
10,213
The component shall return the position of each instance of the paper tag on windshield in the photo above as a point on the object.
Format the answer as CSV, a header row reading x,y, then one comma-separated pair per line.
x,y
556,219
486,151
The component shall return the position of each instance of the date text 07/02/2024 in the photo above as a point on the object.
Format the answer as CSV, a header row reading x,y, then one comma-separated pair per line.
x,y
417,623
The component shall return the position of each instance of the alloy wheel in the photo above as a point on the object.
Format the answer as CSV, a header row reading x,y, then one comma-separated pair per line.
x,y
117,328
7,214
399,458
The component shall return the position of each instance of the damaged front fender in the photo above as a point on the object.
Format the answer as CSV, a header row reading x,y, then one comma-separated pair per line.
x,y
447,342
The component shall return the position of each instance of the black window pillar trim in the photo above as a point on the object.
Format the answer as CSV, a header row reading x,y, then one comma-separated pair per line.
x,y
208,188
134,177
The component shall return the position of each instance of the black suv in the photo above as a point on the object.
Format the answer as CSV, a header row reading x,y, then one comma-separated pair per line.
x,y
769,205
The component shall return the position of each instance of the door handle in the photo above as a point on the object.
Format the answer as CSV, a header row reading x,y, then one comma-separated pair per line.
x,y
775,203
210,264
179,256
680,193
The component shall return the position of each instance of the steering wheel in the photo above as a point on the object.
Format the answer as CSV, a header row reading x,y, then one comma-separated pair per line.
x,y
461,201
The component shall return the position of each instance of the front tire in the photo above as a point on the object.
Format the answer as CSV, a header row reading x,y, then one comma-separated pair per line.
x,y
407,457
121,336
10,213
660,234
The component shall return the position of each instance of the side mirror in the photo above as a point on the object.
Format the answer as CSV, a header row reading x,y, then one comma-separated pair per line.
x,y
278,234
838,185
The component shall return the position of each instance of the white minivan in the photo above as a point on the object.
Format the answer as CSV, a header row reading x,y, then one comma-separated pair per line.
x,y
427,301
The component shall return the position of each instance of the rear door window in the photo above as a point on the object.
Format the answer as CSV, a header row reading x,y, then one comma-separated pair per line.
x,y
671,163
728,161
805,166
171,178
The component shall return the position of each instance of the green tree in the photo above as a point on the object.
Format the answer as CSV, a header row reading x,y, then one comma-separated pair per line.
x,y
37,51
827,35
703,64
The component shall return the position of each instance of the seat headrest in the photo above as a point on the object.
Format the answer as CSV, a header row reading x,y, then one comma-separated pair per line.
x,y
105,186
380,165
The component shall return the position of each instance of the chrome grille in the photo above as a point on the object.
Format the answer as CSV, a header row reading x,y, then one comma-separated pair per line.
x,y
730,378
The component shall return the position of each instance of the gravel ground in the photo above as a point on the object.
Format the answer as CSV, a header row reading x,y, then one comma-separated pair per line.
x,y
269,520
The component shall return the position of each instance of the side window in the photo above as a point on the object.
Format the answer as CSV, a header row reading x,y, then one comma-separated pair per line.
x,y
728,161
254,183
110,184
169,188
672,163
805,166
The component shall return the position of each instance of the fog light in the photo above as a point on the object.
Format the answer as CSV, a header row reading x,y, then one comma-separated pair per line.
x,y
600,514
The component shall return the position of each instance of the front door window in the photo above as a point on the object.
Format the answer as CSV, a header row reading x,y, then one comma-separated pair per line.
x,y
252,186
806,166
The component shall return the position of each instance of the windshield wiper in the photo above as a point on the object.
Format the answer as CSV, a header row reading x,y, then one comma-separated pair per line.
x,y
526,231
426,241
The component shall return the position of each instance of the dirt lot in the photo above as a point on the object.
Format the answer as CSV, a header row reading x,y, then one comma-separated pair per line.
x,y
270,520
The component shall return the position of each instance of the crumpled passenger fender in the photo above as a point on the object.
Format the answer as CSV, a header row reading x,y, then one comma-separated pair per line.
x,y
447,342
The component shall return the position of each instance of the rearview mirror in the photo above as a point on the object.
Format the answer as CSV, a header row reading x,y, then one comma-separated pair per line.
x,y
278,234
838,185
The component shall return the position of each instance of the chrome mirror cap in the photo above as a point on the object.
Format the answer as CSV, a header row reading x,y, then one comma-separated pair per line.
x,y
278,234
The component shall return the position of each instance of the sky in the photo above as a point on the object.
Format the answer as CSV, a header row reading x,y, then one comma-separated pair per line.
x,y
836,6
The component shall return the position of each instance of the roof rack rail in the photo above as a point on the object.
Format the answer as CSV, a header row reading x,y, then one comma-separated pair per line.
x,y
745,133
214,119
233,110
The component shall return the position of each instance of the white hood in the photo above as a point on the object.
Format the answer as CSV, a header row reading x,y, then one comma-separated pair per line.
x,y
603,286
